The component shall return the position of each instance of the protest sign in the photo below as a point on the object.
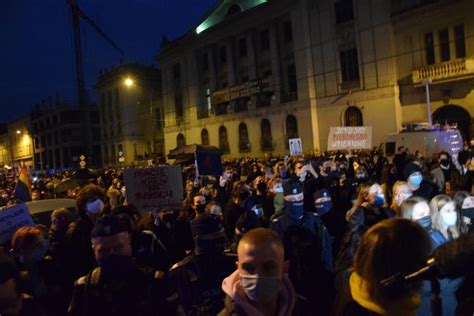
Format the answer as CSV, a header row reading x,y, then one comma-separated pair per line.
x,y
347,138
12,218
154,187
295,147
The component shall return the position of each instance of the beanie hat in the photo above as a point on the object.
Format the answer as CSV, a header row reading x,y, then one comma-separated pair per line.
x,y
410,169
108,225
292,188
208,234
322,201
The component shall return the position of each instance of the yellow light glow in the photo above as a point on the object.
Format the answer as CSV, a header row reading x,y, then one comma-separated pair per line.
x,y
129,82
18,132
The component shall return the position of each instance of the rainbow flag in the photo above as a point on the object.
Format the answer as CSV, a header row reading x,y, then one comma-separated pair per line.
x,y
23,186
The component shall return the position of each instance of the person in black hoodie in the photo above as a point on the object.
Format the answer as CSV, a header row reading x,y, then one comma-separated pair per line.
x,y
416,182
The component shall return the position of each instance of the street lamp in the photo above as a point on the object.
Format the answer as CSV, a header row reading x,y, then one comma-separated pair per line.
x,y
18,132
129,82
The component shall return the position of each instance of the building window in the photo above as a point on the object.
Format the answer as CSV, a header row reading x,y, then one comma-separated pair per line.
x,y
205,62
344,11
291,127
288,31
243,47
178,104
177,72
241,105
460,41
292,83
223,54
429,47
444,44
180,140
265,40
106,154
244,145
353,117
266,135
349,67
159,125
205,137
223,142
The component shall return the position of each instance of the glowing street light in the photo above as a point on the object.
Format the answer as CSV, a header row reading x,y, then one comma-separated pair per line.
x,y
18,131
129,82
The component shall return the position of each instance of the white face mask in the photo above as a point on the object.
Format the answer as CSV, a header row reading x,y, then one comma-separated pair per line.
x,y
95,207
449,219
260,289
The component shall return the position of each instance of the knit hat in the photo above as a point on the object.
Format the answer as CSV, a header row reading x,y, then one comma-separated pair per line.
x,y
208,234
8,269
108,225
322,201
410,169
292,188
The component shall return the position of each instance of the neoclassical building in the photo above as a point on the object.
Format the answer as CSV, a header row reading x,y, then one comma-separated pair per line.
x,y
252,74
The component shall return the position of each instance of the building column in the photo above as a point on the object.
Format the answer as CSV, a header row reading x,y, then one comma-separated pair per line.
x,y
276,64
252,64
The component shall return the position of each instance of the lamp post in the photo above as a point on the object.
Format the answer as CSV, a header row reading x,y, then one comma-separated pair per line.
x,y
130,83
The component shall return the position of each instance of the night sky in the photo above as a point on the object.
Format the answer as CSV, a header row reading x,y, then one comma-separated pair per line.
x,y
37,56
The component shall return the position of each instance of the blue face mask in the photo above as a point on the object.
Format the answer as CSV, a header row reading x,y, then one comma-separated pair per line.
x,y
323,208
379,200
296,209
415,180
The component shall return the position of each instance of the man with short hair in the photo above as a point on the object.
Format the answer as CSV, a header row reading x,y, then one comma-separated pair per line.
x,y
260,285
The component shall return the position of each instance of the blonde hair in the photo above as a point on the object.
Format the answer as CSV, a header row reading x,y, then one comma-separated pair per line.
x,y
436,205
395,188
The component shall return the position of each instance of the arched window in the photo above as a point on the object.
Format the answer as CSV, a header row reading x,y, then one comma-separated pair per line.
x,y
244,145
180,140
204,137
353,117
223,142
266,134
291,126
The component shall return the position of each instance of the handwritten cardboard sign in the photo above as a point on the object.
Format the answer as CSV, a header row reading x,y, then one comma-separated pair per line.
x,y
12,218
160,187
347,138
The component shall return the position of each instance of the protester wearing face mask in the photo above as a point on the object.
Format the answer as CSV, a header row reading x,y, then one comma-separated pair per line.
x,y
30,247
276,191
297,228
235,207
260,285
419,187
60,220
196,279
117,286
90,206
417,209
400,192
263,197
442,172
164,228
465,205
372,210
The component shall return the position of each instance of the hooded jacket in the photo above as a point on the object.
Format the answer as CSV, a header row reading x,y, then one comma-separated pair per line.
x,y
237,302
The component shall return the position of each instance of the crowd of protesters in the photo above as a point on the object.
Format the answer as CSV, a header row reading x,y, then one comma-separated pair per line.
x,y
293,236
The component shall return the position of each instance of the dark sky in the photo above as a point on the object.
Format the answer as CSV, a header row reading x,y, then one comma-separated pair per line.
x,y
36,50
